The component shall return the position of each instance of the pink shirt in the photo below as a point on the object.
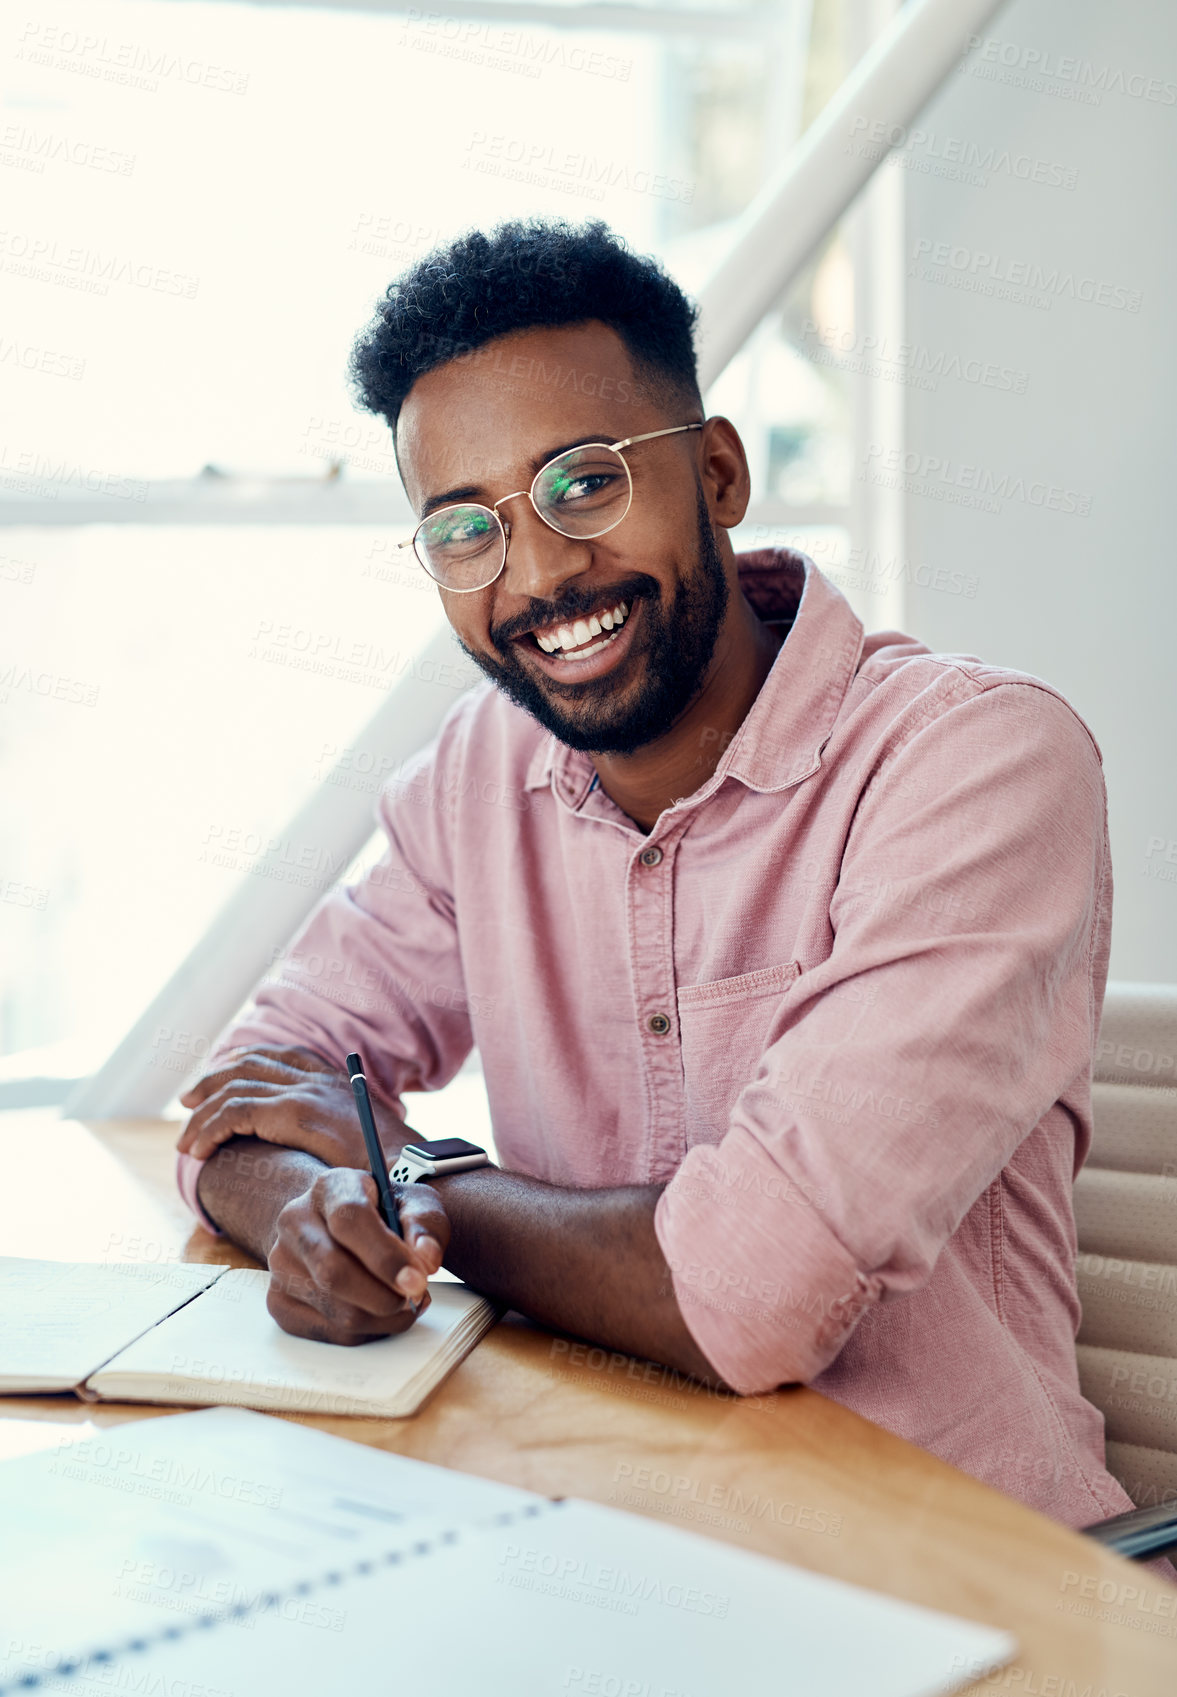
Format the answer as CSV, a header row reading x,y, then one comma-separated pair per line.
x,y
841,1000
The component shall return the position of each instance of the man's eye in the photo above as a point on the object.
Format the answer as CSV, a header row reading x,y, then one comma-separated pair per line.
x,y
582,488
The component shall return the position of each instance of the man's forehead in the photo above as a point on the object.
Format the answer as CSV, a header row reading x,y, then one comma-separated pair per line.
x,y
494,410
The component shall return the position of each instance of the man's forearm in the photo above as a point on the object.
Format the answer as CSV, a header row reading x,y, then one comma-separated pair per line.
x,y
246,1184
582,1261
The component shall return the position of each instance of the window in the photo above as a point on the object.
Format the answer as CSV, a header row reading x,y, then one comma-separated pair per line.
x,y
198,600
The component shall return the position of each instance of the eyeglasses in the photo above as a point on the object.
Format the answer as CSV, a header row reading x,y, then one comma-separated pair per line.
x,y
582,493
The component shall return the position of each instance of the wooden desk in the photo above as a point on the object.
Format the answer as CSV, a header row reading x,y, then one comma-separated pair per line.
x,y
790,1475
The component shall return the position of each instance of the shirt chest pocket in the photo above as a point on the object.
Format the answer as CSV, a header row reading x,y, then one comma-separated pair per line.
x,y
726,1027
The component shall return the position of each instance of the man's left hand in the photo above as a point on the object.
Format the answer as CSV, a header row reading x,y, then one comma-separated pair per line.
x,y
286,1096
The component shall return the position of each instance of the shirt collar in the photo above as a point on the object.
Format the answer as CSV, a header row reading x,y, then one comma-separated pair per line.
x,y
782,735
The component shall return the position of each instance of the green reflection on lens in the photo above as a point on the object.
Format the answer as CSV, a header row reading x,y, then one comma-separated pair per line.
x,y
461,526
558,482
582,489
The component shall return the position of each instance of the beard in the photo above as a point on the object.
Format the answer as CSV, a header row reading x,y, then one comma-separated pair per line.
x,y
603,716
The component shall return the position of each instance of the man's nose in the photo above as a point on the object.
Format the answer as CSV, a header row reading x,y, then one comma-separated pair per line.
x,y
539,559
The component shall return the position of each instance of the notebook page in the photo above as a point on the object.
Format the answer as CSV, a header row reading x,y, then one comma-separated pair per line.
x,y
575,1599
60,1320
227,1348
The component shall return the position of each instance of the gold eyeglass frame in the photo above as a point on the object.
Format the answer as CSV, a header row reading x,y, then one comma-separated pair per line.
x,y
505,524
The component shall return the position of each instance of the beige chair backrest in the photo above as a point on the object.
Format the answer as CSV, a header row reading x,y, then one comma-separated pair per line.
x,y
1126,1213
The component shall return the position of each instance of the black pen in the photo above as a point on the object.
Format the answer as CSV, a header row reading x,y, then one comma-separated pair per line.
x,y
376,1161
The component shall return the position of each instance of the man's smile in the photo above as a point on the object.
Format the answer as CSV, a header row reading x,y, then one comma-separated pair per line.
x,y
585,648
578,636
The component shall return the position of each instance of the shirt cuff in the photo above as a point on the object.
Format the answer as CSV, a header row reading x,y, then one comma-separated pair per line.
x,y
766,1290
188,1170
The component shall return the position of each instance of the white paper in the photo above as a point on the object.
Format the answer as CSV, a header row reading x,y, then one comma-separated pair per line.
x,y
60,1320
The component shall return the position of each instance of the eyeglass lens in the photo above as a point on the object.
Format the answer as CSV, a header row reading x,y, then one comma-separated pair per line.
x,y
581,494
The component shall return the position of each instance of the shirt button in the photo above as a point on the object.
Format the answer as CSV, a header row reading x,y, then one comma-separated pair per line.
x,y
658,1024
651,856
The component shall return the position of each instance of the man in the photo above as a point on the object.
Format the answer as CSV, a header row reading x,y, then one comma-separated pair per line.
x,y
783,947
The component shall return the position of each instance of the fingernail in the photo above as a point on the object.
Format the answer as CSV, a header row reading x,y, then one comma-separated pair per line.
x,y
410,1283
429,1250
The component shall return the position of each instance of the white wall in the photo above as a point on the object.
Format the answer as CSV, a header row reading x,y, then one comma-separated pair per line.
x,y
1087,602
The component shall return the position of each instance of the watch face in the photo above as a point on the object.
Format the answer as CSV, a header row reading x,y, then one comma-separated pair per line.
x,y
447,1148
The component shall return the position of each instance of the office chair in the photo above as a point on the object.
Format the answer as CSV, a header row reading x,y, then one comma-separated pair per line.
x,y
1126,1214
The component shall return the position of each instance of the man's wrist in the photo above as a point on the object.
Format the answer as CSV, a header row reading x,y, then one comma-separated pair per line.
x,y
202,1199
442,1181
459,1193
246,1183
459,1183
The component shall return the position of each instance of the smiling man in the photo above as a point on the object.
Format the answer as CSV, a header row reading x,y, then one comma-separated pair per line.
x,y
783,946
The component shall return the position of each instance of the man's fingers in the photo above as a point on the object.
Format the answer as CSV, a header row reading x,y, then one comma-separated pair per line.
x,y
304,1320
232,1111
238,1063
196,1092
430,1252
360,1273
241,1077
332,1281
424,1222
249,1063
350,1204
277,1065
337,1273
310,1265
303,1060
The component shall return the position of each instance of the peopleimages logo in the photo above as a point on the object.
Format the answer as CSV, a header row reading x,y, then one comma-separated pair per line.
x,y
914,362
545,165
128,63
991,273
972,485
1039,67
482,42
28,149
87,269
46,361
28,470
874,138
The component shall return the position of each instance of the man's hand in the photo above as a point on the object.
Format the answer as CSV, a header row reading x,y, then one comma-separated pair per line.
x,y
286,1096
337,1274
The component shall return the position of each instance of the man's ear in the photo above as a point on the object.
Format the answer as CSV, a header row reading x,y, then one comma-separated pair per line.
x,y
727,482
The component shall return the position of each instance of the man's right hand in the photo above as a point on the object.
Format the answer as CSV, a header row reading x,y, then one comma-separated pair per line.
x,y
337,1274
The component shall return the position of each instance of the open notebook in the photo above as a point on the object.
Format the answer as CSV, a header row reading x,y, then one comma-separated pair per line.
x,y
180,1333
225,1552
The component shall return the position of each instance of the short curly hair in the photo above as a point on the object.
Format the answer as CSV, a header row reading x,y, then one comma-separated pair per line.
x,y
526,274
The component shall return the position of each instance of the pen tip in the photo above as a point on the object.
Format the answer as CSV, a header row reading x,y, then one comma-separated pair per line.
x,y
354,1065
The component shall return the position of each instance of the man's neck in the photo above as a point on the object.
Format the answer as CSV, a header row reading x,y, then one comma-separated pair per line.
x,y
647,782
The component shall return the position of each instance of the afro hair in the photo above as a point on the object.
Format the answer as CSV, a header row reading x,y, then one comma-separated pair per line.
x,y
523,275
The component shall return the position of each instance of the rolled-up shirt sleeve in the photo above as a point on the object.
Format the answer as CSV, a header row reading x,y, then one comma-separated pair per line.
x,y
904,1070
377,966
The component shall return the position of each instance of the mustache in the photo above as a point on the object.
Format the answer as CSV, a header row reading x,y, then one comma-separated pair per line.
x,y
575,605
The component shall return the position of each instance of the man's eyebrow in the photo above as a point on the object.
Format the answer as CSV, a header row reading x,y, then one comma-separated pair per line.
x,y
470,491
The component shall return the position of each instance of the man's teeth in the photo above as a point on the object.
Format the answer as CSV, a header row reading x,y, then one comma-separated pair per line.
x,y
576,635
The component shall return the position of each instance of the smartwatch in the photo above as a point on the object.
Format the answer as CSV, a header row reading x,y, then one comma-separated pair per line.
x,y
418,1161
